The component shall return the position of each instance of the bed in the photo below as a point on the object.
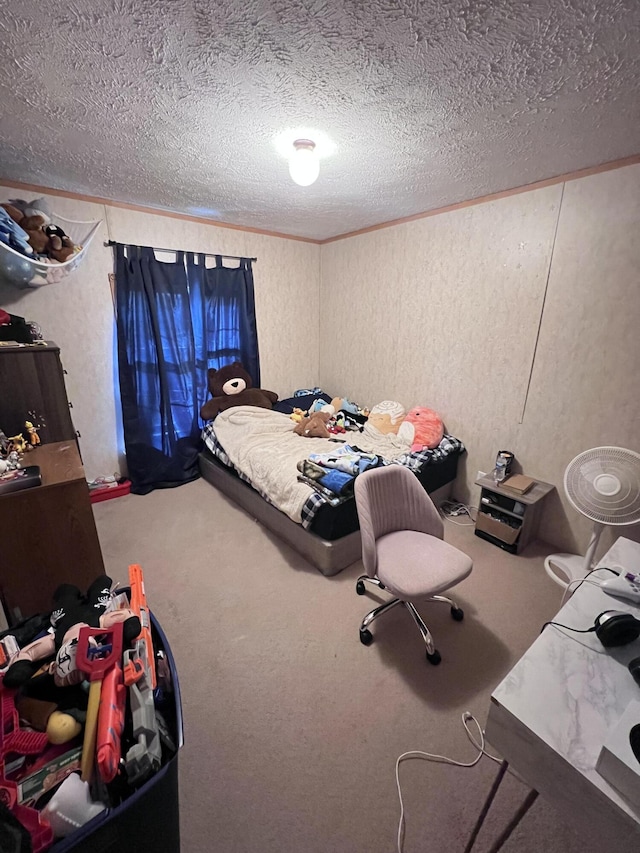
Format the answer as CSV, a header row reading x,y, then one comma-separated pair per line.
x,y
252,456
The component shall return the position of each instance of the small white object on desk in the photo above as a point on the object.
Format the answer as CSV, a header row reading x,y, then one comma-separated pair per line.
x,y
626,586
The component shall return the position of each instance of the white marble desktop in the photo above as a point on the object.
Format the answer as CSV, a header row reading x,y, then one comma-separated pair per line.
x,y
549,717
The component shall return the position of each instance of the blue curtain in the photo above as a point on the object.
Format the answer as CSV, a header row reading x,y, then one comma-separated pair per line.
x,y
174,321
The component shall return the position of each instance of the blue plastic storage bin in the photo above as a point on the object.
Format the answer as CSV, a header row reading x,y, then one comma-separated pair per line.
x,y
150,818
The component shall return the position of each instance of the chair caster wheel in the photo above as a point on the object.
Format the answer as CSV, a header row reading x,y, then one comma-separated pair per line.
x,y
457,613
366,637
360,588
434,658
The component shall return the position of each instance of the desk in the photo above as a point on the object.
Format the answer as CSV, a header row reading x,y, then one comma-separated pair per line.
x,y
550,716
49,534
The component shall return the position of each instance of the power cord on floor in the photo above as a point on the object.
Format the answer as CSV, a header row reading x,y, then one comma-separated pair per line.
x,y
442,759
451,510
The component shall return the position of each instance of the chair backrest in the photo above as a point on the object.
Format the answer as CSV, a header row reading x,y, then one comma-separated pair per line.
x,y
388,499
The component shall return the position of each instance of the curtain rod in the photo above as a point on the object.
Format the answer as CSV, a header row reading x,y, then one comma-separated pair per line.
x,y
206,254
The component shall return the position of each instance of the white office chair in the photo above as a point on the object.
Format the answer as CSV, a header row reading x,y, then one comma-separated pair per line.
x,y
402,548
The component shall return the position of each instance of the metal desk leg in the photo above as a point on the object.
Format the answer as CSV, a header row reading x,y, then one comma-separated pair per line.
x,y
487,805
515,820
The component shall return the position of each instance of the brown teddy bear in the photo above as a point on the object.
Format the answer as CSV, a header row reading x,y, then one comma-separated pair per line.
x,y
232,386
38,238
315,426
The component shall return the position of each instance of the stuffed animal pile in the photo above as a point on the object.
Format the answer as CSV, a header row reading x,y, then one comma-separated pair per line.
x,y
44,672
324,419
420,427
27,228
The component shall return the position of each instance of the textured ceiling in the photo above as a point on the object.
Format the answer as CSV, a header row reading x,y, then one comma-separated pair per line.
x,y
176,103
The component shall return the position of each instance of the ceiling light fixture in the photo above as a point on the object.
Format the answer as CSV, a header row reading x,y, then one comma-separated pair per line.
x,y
304,165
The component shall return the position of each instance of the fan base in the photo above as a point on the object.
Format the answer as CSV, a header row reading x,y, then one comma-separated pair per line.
x,y
564,568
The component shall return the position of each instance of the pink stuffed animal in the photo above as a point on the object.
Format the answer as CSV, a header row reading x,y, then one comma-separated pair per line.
x,y
422,427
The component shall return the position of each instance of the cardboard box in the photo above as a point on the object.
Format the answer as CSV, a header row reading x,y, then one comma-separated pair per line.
x,y
43,777
503,532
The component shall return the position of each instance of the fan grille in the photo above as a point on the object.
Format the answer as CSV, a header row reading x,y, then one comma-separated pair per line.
x,y
604,484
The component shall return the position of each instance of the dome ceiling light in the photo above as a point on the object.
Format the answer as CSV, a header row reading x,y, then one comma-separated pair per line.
x,y
304,165
303,148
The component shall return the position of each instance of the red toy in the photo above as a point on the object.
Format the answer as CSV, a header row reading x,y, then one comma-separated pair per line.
x,y
14,740
113,698
99,649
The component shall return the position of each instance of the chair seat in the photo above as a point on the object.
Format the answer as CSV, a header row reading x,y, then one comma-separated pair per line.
x,y
414,565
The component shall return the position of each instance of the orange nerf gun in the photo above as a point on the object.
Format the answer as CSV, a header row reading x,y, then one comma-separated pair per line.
x,y
141,610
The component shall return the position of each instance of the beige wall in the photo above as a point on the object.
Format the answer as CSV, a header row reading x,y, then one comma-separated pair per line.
x,y
445,312
77,313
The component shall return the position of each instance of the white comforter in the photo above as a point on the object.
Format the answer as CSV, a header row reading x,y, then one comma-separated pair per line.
x,y
262,445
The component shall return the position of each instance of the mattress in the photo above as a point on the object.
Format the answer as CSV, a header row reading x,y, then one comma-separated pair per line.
x,y
264,447
332,542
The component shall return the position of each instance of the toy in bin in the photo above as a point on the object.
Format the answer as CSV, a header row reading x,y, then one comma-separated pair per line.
x,y
99,651
16,741
93,637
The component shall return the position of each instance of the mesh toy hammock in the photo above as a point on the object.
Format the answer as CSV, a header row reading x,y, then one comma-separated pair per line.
x,y
25,272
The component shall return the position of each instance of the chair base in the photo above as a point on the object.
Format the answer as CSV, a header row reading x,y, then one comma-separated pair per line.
x,y
366,637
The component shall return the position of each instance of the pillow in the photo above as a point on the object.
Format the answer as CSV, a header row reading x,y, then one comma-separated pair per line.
x,y
385,418
305,402
422,427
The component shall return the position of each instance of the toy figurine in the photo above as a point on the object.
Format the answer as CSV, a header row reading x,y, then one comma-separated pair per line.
x,y
4,445
13,461
18,443
33,437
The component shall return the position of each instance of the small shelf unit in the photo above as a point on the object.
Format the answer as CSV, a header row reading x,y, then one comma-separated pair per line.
x,y
507,519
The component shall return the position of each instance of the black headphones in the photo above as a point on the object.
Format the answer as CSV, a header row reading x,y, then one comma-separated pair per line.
x,y
616,628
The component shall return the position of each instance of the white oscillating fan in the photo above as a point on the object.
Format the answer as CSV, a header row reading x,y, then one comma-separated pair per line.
x,y
604,484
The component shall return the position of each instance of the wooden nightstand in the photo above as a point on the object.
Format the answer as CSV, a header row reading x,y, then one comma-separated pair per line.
x,y
507,519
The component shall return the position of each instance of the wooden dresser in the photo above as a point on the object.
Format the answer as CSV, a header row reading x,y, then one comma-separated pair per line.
x,y
49,534
32,380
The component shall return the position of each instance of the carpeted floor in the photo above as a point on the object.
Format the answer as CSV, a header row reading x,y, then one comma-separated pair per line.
x,y
292,727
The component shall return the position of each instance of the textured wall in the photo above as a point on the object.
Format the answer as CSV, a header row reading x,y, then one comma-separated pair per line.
x,y
442,311
445,311
175,103
77,313
585,387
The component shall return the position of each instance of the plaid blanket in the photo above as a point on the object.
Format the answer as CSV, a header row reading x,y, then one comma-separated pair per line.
x,y
414,461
